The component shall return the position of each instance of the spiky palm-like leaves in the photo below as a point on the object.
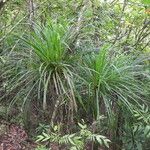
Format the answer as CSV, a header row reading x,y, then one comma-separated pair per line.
x,y
43,69
114,80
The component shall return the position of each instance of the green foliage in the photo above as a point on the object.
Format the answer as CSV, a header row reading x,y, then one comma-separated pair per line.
x,y
75,141
43,65
42,128
41,148
142,114
90,59
48,43
147,2
137,133
114,79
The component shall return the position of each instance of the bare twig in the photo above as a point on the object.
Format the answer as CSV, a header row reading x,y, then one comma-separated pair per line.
x,y
31,13
80,20
119,26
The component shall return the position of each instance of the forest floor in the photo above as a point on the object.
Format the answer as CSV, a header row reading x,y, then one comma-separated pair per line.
x,y
14,137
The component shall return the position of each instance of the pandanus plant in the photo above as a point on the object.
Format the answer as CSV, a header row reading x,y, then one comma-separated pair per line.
x,y
43,70
114,81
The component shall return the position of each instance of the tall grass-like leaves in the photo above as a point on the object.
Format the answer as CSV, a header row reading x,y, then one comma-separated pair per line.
x,y
114,80
43,69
